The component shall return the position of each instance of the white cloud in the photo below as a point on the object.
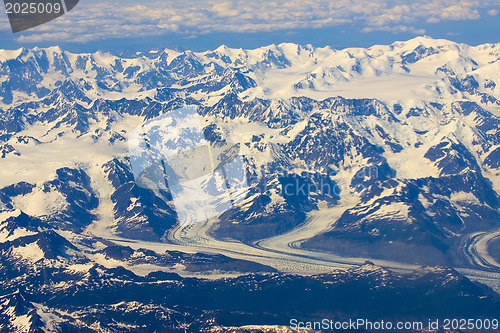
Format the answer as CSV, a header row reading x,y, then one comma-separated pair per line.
x,y
493,12
460,12
396,29
128,18
433,20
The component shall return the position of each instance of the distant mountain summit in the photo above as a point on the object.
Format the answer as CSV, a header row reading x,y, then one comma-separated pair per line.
x,y
390,153
422,68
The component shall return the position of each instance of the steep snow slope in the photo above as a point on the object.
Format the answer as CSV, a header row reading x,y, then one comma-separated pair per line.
x,y
419,69
405,136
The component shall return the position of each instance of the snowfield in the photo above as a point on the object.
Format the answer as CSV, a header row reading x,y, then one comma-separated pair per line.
x,y
414,98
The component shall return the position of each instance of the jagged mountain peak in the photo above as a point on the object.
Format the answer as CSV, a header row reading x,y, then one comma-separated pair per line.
x,y
304,71
389,153
365,122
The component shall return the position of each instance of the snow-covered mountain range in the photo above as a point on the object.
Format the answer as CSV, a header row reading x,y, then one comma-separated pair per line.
x,y
390,153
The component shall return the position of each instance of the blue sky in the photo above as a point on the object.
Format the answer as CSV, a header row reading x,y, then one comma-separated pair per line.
x,y
129,25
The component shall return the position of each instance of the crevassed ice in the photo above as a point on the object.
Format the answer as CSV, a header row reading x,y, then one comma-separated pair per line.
x,y
171,152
